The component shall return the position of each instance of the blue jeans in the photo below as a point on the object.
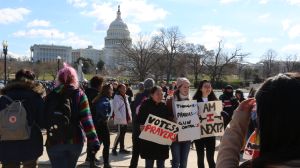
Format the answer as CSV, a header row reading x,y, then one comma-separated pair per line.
x,y
64,155
159,163
180,154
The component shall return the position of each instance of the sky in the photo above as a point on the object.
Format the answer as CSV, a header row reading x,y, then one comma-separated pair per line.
x,y
254,26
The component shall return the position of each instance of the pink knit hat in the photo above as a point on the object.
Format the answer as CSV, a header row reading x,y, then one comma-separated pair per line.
x,y
181,81
68,76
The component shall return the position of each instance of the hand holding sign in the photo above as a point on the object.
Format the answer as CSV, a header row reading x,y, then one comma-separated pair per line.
x,y
211,121
159,130
187,118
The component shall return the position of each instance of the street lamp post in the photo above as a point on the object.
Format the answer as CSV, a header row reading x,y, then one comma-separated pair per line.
x,y
5,45
96,70
58,62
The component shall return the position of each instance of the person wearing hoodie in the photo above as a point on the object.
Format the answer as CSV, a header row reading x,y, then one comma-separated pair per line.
x,y
180,150
27,152
230,103
278,123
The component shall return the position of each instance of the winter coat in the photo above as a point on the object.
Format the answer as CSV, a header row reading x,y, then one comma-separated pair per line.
x,y
103,109
91,93
153,150
230,103
119,107
31,95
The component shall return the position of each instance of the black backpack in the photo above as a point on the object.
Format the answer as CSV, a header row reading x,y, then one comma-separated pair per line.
x,y
62,115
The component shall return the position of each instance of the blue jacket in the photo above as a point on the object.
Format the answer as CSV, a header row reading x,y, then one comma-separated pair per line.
x,y
103,109
30,93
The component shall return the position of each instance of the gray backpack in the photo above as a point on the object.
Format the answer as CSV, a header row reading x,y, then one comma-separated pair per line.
x,y
13,121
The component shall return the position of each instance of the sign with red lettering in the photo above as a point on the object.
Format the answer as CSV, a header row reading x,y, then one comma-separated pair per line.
x,y
159,130
211,121
188,120
251,150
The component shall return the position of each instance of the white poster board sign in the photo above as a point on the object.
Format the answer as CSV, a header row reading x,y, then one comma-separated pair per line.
x,y
187,117
211,121
159,130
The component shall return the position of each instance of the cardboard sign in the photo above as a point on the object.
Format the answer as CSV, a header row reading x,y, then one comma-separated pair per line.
x,y
252,147
187,117
211,121
159,130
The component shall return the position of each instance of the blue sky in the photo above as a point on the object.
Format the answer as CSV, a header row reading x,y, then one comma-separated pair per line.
x,y
253,25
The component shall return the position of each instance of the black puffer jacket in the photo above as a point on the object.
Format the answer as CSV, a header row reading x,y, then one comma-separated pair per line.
x,y
31,94
151,150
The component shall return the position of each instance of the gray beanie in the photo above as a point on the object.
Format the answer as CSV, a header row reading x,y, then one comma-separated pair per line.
x,y
149,83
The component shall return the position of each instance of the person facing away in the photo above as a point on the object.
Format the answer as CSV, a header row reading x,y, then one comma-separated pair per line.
x,y
92,92
205,93
277,102
152,151
129,92
103,110
122,116
230,103
26,90
65,142
180,150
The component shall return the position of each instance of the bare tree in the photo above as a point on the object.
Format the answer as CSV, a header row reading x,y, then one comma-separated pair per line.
x,y
140,57
169,40
290,63
197,55
269,63
218,61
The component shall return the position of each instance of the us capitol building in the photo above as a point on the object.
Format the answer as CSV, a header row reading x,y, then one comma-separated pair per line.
x,y
117,36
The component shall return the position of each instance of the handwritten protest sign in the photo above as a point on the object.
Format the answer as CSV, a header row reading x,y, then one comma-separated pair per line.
x,y
159,130
211,121
187,118
251,150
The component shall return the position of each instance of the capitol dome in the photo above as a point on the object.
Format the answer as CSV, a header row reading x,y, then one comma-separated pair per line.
x,y
117,31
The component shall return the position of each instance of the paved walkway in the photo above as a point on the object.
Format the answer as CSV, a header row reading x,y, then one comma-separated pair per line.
x,y
121,160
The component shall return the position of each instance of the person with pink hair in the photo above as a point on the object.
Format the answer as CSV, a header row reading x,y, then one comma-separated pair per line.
x,y
64,150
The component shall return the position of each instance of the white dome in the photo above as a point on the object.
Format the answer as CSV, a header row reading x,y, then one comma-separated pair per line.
x,y
117,30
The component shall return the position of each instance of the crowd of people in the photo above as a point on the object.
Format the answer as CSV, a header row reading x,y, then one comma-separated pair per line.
x,y
71,113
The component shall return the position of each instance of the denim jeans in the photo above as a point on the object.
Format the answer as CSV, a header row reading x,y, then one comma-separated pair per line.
x,y
159,163
180,153
64,155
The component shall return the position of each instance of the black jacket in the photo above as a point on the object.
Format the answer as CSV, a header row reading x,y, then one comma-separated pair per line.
x,y
91,93
151,150
31,94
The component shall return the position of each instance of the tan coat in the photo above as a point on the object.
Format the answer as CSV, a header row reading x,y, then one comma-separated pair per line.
x,y
232,141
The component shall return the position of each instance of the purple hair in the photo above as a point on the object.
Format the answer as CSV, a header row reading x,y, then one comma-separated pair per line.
x,y
67,76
